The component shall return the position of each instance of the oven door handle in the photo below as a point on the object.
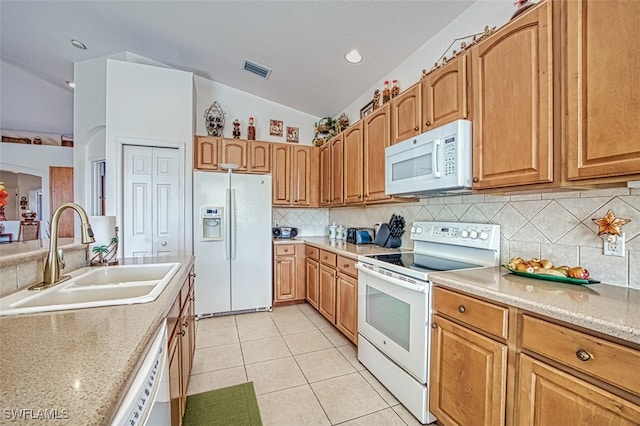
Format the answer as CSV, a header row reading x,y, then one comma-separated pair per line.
x,y
392,280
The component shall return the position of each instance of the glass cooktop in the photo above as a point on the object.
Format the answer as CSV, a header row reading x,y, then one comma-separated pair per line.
x,y
421,262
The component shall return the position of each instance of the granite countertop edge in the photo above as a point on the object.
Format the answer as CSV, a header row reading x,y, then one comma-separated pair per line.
x,y
349,250
586,320
28,383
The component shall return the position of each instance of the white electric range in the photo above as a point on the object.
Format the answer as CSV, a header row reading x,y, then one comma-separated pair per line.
x,y
394,303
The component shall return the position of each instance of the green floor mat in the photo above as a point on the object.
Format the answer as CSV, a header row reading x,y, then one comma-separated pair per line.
x,y
232,406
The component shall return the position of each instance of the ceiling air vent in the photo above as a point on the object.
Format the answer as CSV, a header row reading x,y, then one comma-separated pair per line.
x,y
256,69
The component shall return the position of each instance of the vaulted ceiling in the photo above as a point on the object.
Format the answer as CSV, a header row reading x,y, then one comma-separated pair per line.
x,y
302,41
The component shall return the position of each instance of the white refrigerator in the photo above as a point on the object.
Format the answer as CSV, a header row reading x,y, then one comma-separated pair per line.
x,y
232,242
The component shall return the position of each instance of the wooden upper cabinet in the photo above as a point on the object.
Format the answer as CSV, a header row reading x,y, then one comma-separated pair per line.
x,y
445,94
260,157
281,174
602,93
304,182
406,115
513,85
207,153
336,145
235,151
325,174
377,136
353,163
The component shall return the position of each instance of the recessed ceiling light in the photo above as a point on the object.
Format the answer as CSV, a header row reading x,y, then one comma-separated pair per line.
x,y
71,84
353,56
78,44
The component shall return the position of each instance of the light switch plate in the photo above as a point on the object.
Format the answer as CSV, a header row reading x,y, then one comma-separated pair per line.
x,y
614,245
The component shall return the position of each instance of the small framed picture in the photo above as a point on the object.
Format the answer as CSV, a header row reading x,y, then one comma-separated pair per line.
x,y
366,110
293,134
275,128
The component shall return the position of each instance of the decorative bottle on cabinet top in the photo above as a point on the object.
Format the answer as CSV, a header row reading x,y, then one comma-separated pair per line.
x,y
251,130
386,93
395,90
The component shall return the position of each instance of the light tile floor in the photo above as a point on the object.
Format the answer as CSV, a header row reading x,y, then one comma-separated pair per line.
x,y
305,372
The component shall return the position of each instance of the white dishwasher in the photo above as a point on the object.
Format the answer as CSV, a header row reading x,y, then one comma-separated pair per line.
x,y
147,401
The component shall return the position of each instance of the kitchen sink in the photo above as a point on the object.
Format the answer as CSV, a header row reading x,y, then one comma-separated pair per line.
x,y
93,287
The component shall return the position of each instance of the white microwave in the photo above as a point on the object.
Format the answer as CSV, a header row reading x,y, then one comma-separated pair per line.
x,y
437,161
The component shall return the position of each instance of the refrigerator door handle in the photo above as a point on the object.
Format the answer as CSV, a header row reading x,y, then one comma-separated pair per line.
x,y
233,231
227,229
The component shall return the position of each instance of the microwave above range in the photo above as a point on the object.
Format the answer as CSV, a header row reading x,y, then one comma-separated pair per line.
x,y
437,161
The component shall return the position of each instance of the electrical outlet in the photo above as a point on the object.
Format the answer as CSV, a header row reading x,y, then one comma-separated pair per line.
x,y
614,245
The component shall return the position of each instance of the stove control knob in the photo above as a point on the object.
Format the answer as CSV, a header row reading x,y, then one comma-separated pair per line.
x,y
473,235
464,234
483,235
418,229
413,229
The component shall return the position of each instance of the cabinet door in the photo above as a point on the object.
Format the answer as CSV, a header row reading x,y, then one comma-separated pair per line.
x,y
207,153
284,272
406,114
325,175
327,293
235,151
602,90
259,157
336,171
281,174
513,82
468,374
175,384
301,178
347,307
352,165
185,356
549,397
444,94
377,136
313,271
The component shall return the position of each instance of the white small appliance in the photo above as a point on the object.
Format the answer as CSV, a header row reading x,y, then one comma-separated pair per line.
x,y
437,161
394,303
232,242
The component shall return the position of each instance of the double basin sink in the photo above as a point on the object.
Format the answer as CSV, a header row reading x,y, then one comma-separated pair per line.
x,y
94,286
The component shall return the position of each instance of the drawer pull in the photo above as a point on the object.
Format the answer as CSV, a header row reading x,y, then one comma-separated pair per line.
x,y
461,309
286,250
346,265
583,355
324,257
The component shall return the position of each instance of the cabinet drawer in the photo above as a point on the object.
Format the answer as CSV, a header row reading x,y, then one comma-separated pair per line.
x,y
312,253
285,249
347,266
483,315
328,258
597,357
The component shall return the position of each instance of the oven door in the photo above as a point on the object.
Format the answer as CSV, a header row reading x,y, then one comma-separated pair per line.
x,y
393,316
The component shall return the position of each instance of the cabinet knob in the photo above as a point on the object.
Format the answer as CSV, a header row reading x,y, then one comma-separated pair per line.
x,y
416,128
461,309
434,325
583,355
324,257
475,179
428,123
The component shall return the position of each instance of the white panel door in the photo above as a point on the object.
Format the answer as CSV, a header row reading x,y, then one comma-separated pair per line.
x,y
151,205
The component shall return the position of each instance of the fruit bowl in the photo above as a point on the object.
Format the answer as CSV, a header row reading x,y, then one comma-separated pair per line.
x,y
567,280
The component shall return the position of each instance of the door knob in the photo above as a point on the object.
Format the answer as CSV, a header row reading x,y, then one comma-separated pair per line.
x,y
164,244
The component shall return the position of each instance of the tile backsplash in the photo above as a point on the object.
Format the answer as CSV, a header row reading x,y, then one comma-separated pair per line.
x,y
556,226
310,222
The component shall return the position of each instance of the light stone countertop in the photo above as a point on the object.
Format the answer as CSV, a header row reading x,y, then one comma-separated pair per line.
x,y
346,249
608,309
80,360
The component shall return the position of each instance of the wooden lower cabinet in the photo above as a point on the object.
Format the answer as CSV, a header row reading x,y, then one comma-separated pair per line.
x,y
468,376
347,306
313,277
550,397
327,293
181,330
289,272
493,364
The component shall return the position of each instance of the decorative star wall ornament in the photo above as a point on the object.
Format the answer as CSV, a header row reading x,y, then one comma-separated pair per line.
x,y
609,224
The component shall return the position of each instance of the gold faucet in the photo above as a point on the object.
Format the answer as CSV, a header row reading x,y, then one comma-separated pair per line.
x,y
54,258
